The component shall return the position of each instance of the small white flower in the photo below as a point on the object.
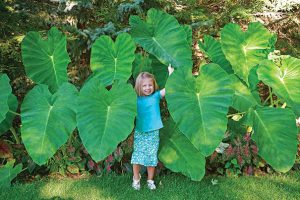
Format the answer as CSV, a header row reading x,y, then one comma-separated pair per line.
x,y
221,148
214,181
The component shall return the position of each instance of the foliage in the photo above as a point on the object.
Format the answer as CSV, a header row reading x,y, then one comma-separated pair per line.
x,y
90,35
282,78
50,119
153,34
239,157
105,118
177,153
46,61
200,96
262,119
212,48
8,173
113,61
244,50
5,91
6,124
124,8
71,158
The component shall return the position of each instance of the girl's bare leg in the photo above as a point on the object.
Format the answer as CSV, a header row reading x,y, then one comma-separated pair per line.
x,y
136,171
151,171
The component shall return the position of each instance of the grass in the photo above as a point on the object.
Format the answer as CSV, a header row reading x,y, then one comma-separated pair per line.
x,y
172,186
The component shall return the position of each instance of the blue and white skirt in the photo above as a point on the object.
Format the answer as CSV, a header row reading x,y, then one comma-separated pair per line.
x,y
145,147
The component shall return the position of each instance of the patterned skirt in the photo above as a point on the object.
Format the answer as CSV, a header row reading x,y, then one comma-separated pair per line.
x,y
145,148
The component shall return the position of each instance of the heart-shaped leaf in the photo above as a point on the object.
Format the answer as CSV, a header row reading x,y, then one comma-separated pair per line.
x,y
46,61
212,48
5,91
178,154
275,134
200,105
7,122
162,36
244,50
113,61
284,80
8,173
105,118
48,120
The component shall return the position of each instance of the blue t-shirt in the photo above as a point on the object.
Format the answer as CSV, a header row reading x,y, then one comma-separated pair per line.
x,y
148,113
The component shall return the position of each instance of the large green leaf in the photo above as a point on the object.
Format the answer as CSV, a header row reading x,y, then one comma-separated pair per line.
x,y
112,61
162,36
244,50
5,91
8,173
142,63
7,122
178,154
284,80
105,118
212,48
46,61
242,98
253,84
189,33
160,71
200,105
48,120
275,134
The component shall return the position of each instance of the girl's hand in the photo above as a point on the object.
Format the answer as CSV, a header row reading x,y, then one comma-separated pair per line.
x,y
170,69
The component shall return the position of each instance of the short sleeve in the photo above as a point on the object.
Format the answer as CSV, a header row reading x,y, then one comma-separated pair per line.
x,y
157,95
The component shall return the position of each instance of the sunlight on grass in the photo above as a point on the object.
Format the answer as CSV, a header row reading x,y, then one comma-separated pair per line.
x,y
70,190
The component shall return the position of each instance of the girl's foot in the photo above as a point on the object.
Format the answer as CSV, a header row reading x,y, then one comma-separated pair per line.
x,y
136,183
151,184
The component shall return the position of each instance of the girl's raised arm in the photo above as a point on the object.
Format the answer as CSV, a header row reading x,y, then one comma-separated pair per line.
x,y
163,91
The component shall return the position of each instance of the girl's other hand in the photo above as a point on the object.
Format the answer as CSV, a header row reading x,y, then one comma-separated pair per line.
x,y
170,69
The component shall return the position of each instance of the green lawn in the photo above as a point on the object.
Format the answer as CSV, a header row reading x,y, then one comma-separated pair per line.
x,y
173,186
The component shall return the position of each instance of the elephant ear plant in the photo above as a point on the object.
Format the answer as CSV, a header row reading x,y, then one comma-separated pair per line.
x,y
48,111
274,128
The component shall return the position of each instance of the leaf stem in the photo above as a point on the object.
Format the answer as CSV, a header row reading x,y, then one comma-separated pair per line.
x,y
265,101
14,112
271,96
15,135
241,113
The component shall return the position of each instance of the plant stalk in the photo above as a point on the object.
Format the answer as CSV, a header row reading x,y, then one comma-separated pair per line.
x,y
271,96
15,135
15,113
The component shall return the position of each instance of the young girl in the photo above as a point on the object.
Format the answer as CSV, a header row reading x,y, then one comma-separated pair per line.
x,y
148,123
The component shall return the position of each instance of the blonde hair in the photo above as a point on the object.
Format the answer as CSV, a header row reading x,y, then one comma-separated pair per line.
x,y
138,83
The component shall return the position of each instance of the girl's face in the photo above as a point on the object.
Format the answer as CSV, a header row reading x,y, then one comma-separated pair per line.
x,y
147,86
